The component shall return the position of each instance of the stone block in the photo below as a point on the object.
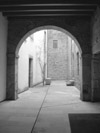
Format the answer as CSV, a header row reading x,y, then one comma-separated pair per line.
x,y
48,81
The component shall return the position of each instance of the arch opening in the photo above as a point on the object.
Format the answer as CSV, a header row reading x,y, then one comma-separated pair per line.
x,y
43,28
75,59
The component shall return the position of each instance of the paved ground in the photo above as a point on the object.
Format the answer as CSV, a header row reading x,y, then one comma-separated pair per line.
x,y
43,110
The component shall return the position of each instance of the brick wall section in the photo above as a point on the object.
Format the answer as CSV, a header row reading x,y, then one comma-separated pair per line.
x,y
79,27
62,62
57,57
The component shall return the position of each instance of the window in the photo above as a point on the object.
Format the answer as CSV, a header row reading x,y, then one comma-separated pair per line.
x,y
55,44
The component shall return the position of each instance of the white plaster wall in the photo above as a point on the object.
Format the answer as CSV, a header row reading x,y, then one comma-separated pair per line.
x,y
23,67
3,44
69,58
38,44
28,49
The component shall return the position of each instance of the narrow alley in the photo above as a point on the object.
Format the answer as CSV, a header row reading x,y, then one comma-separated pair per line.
x,y
46,109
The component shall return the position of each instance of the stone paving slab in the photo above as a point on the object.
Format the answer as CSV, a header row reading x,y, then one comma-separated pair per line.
x,y
19,116
59,102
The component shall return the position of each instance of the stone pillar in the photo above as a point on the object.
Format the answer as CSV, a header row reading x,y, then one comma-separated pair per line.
x,y
85,93
95,94
11,92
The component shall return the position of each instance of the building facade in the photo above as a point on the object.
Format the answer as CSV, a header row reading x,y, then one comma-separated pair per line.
x,y
31,61
63,57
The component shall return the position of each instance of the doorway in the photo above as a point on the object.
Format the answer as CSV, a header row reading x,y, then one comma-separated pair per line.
x,y
30,72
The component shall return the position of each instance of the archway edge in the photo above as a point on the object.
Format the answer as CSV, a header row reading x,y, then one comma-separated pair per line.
x,y
44,28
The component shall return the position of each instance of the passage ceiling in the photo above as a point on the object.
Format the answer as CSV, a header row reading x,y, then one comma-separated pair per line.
x,y
20,8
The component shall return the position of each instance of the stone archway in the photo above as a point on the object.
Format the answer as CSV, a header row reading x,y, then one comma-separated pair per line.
x,y
43,28
79,83
23,29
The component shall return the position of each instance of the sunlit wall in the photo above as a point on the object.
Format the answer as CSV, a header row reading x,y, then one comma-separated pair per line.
x,y
32,48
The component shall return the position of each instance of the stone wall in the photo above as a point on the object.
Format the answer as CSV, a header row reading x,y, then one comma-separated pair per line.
x,y
57,55
63,62
96,32
3,49
96,56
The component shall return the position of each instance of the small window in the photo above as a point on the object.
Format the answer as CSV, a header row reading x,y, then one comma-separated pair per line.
x,y
55,44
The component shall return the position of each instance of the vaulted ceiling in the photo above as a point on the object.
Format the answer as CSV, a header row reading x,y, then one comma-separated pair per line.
x,y
21,8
